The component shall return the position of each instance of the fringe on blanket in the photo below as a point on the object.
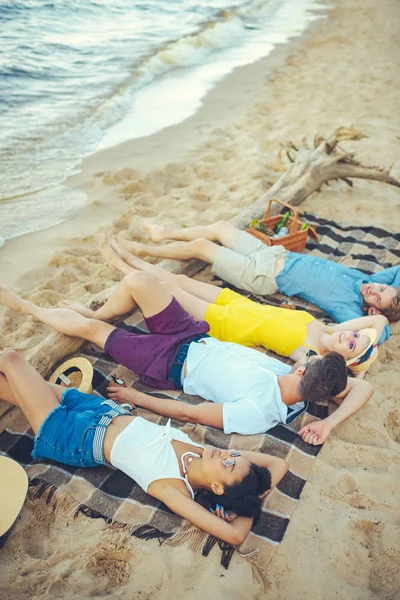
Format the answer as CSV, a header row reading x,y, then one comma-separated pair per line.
x,y
258,569
197,540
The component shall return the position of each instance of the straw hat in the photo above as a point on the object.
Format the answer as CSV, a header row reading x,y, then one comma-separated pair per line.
x,y
14,486
367,357
76,372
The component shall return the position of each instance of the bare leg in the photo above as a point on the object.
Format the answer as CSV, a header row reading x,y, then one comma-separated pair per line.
x,y
7,395
21,385
194,306
136,288
221,231
63,320
122,260
119,303
198,248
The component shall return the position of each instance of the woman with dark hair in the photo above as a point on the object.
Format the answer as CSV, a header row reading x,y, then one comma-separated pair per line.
x,y
81,430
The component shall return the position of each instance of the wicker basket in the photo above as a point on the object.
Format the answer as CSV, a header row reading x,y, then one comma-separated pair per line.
x,y
295,240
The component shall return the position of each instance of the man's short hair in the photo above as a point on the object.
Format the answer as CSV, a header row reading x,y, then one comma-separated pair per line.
x,y
324,378
392,312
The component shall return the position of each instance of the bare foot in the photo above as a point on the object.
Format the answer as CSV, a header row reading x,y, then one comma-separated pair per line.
x,y
131,259
117,245
77,307
11,300
156,232
135,248
113,259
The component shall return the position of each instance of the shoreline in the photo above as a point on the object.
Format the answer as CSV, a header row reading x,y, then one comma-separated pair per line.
x,y
143,154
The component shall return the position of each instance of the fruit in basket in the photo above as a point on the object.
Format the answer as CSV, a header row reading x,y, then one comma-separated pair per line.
x,y
304,226
256,224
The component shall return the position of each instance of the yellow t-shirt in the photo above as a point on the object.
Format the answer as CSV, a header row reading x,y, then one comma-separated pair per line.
x,y
234,318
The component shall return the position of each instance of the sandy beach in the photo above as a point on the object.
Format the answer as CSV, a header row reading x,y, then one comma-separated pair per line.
x,y
343,540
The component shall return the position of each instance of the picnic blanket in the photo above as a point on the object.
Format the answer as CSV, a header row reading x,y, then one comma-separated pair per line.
x,y
108,493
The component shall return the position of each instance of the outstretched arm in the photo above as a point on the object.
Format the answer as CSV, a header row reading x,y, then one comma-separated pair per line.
x,y
356,394
206,413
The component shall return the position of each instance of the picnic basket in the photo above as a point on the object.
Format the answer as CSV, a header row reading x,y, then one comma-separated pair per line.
x,y
295,240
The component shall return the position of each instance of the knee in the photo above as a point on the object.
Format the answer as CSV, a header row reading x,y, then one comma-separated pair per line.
x,y
218,227
198,247
10,358
138,281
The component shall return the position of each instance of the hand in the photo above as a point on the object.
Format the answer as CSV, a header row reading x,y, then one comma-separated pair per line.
x,y
225,515
121,393
315,433
373,311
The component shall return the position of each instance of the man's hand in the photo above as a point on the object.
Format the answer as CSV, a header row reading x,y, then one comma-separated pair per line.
x,y
121,394
315,433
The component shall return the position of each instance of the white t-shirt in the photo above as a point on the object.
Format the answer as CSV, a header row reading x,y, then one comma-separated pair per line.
x,y
243,379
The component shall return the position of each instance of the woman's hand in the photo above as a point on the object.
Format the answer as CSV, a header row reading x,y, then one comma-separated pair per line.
x,y
226,515
121,394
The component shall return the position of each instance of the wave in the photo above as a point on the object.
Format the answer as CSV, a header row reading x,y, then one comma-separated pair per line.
x,y
226,31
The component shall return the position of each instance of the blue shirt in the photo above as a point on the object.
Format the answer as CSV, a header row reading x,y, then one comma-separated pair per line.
x,y
332,287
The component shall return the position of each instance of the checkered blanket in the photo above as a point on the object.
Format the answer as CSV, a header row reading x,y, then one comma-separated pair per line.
x,y
110,494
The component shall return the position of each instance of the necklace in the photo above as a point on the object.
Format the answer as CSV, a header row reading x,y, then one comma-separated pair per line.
x,y
186,459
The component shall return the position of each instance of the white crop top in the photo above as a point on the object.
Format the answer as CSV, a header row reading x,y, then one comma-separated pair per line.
x,y
143,451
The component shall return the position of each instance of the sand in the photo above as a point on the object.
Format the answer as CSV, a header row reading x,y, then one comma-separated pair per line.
x,y
343,540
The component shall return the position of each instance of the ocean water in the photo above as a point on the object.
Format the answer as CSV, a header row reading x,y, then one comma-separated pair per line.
x,y
79,75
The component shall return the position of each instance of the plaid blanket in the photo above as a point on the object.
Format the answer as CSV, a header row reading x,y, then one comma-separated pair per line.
x,y
110,494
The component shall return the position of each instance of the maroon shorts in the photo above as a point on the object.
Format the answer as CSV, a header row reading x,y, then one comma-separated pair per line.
x,y
151,355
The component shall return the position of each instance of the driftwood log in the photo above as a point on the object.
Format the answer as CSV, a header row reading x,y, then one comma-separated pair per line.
x,y
308,169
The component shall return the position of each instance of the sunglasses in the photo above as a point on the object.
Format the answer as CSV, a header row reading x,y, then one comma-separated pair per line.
x,y
353,342
228,462
309,353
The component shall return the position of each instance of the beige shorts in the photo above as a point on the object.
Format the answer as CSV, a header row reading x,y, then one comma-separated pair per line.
x,y
249,264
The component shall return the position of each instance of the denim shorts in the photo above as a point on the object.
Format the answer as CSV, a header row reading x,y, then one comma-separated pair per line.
x,y
67,434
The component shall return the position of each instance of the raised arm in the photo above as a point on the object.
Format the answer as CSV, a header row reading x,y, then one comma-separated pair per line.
x,y
377,322
206,413
277,466
390,276
234,532
356,394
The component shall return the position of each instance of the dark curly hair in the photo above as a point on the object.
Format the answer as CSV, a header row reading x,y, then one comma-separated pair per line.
x,y
243,497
